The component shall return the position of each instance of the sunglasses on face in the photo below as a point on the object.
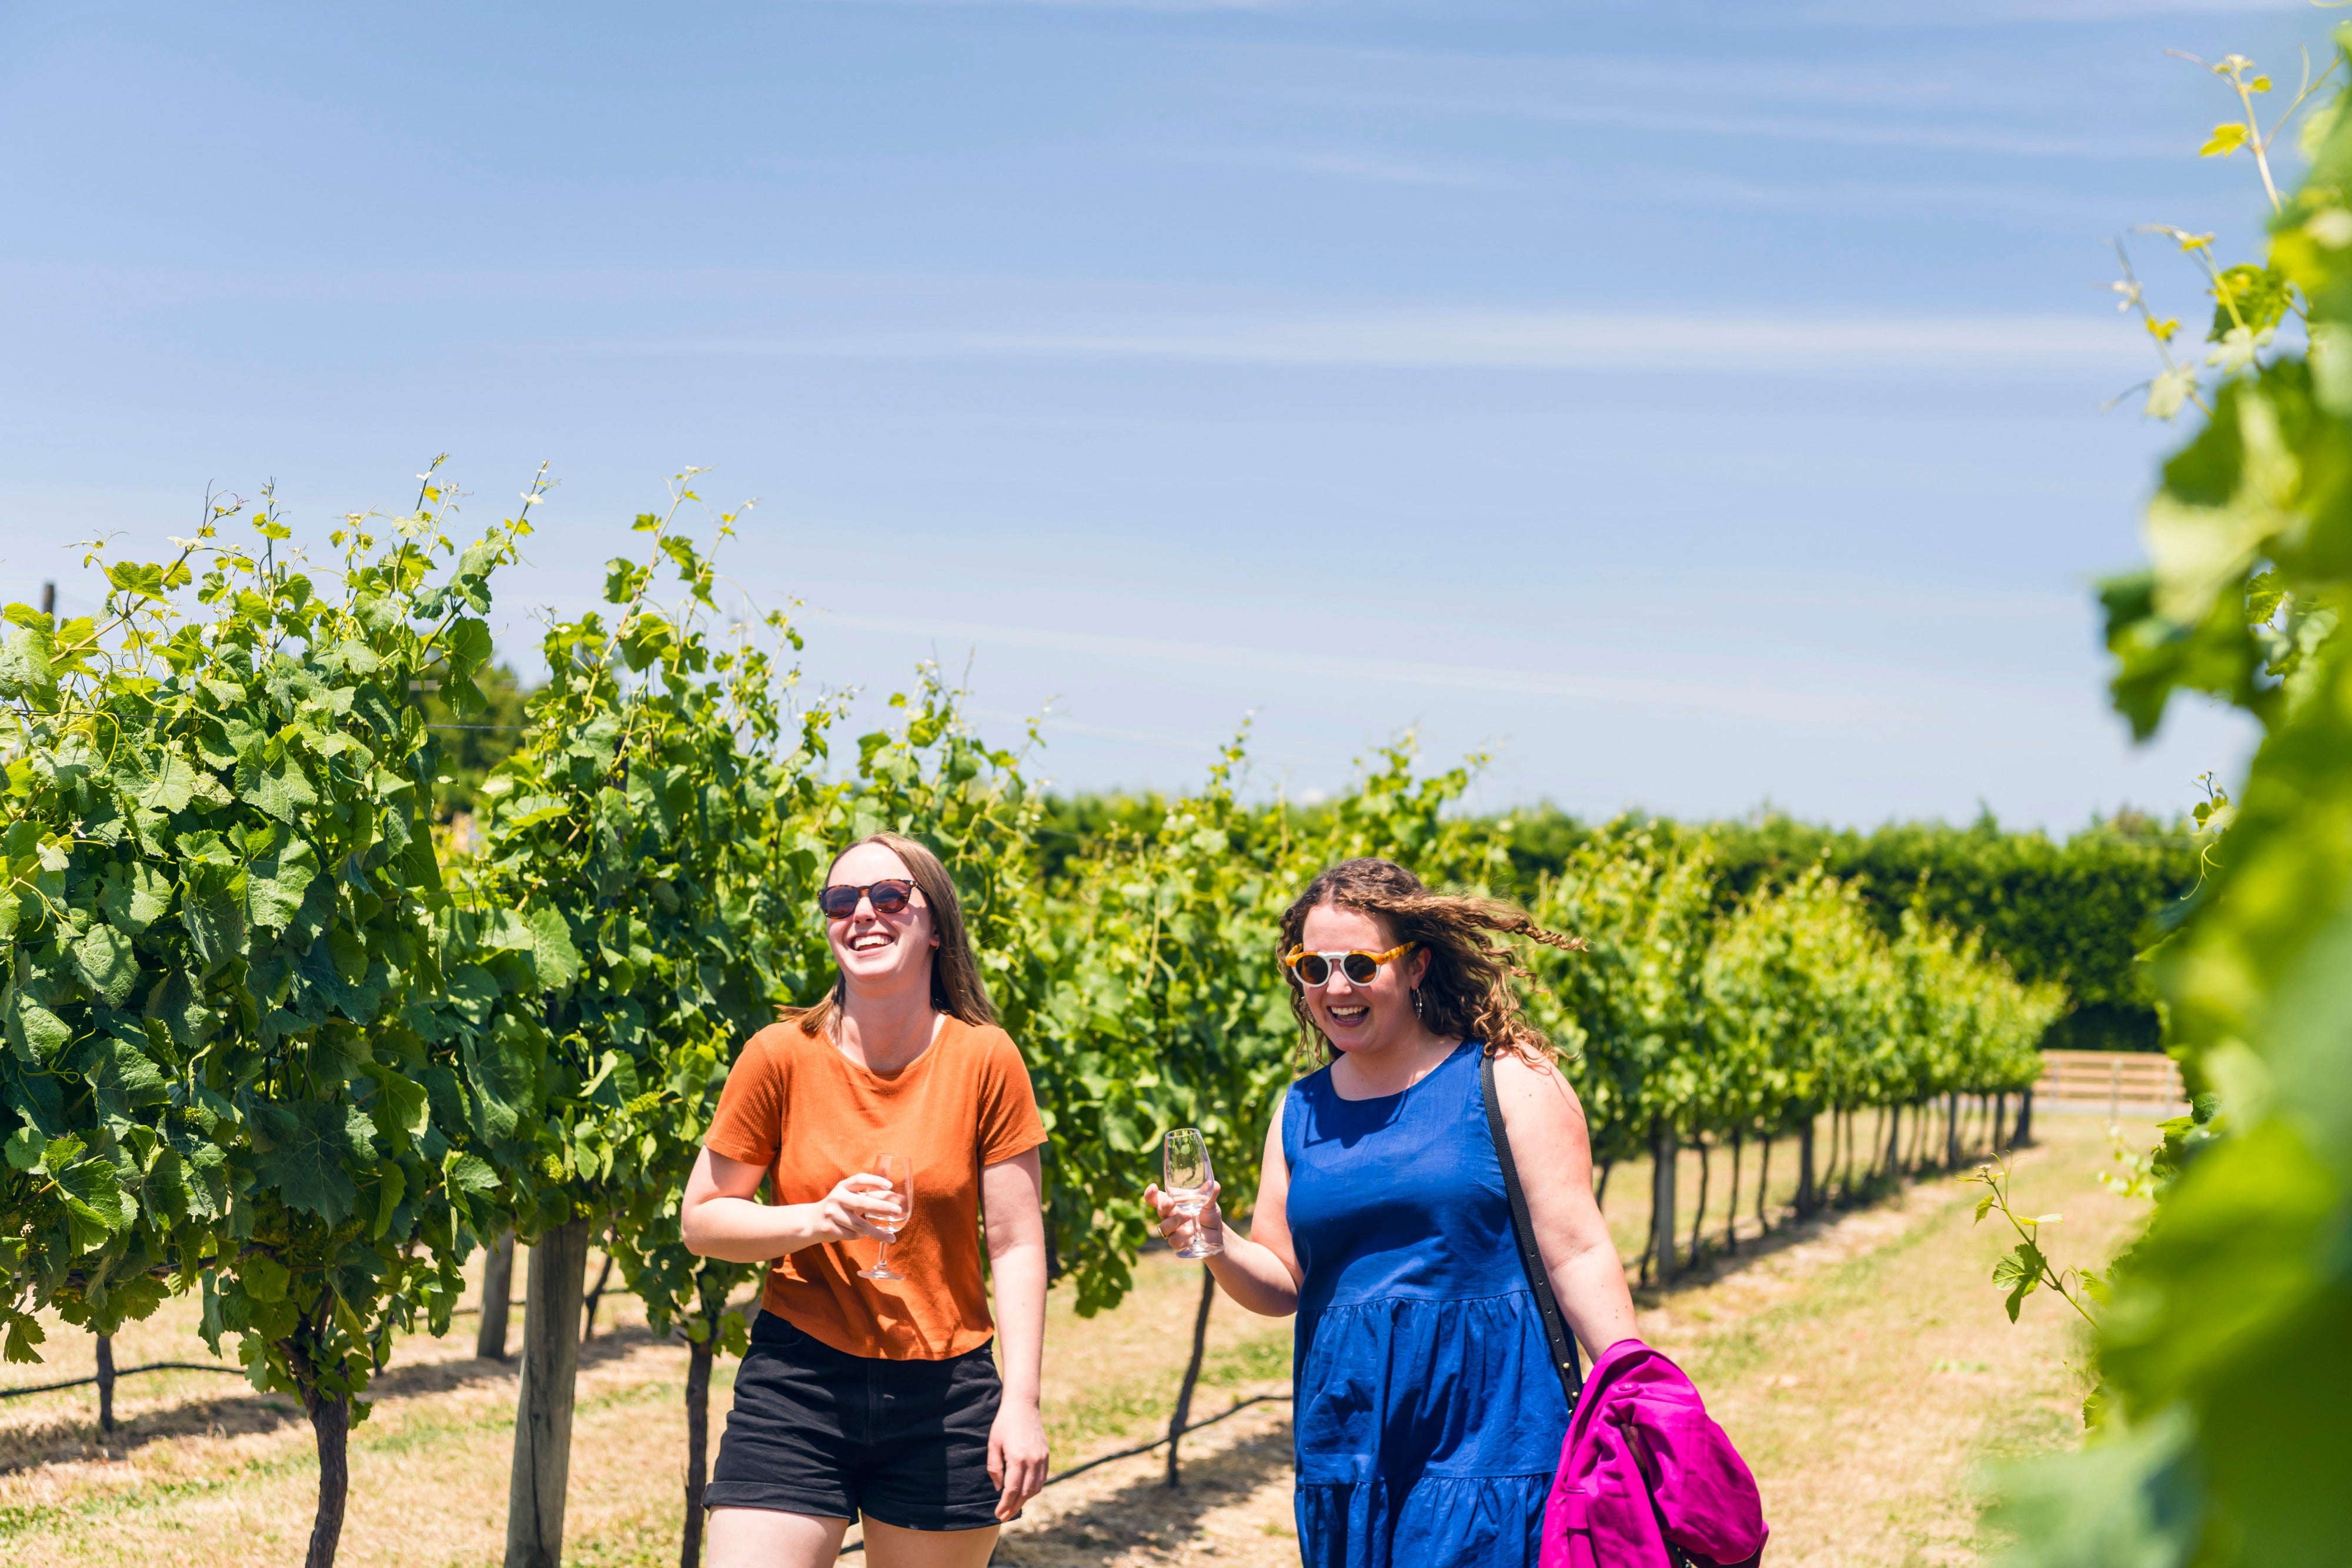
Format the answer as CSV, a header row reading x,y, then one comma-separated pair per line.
x,y
891,895
1315,968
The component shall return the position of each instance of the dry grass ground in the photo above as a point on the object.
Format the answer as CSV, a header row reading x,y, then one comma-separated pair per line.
x,y
1862,1363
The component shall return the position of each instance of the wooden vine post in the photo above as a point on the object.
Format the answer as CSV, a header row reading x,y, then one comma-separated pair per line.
x,y
699,1356
1665,1154
498,1294
106,1383
541,1470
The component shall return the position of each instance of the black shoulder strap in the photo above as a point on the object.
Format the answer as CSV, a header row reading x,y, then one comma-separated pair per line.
x,y
1563,1348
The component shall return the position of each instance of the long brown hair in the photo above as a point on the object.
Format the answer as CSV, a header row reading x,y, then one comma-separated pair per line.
x,y
1466,989
957,989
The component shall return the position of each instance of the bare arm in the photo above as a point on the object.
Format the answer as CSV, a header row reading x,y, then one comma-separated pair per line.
x,y
1554,1153
1012,1209
1259,1271
721,1218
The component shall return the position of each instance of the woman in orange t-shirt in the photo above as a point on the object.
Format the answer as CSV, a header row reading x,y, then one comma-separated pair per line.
x,y
878,1396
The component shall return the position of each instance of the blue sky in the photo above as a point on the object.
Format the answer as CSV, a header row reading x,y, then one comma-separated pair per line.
x,y
1694,405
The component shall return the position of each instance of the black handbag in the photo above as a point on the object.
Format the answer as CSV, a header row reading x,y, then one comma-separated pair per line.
x,y
1563,1348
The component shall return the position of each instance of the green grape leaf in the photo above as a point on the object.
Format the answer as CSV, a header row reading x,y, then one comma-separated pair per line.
x,y
2248,299
35,1033
394,1186
173,1002
468,646
213,916
553,953
278,786
24,672
24,1147
203,1175
134,895
503,1082
276,883
94,1190
2227,138
471,1174
34,1094
401,1107
164,1191
25,1331
265,1278
107,963
2019,1271
473,992
119,1071
174,785
308,1147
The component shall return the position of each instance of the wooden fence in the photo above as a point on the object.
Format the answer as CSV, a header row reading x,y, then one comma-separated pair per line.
x,y
2112,1081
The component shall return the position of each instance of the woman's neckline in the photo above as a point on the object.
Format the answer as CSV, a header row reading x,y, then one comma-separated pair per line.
x,y
1435,1068
930,1046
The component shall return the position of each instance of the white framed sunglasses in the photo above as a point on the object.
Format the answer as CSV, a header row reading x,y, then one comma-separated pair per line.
x,y
1359,967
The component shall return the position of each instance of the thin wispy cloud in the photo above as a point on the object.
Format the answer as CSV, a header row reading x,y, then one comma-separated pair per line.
x,y
1853,132
1713,693
1636,186
1740,80
1747,99
1844,195
1176,7
1533,341
2005,13
1366,167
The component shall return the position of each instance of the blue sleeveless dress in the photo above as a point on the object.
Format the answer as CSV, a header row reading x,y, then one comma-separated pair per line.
x,y
1429,1416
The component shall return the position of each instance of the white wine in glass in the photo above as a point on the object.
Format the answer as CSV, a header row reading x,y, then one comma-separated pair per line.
x,y
894,1169
1187,1181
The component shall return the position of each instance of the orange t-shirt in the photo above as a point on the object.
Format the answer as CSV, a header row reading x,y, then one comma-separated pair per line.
x,y
795,1104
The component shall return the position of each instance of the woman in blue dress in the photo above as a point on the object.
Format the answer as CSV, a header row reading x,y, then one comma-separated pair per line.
x,y
1429,1416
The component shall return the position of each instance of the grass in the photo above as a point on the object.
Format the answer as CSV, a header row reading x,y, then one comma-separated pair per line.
x,y
1864,1365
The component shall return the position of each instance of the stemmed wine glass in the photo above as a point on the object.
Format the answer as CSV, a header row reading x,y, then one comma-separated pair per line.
x,y
894,1169
1188,1179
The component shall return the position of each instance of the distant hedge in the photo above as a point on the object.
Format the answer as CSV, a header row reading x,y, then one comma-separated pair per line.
x,y
2077,911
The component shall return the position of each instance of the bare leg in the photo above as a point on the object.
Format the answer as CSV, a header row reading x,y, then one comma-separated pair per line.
x,y
889,1546
770,1537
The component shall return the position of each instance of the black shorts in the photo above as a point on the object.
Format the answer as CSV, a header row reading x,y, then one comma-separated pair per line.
x,y
816,1430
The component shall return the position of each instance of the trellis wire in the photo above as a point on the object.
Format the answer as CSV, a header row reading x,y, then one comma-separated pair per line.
x,y
121,1371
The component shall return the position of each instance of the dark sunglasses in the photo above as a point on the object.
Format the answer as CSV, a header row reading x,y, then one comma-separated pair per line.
x,y
891,895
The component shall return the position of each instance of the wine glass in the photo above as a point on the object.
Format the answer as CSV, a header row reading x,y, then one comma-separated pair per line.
x,y
894,1169
1188,1178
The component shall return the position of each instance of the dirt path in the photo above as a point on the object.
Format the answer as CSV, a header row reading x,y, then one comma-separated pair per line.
x,y
1865,1366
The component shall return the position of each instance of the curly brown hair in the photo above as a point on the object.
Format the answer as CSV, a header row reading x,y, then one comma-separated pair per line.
x,y
1466,991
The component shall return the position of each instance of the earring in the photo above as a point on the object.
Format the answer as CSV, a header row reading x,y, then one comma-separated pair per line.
x,y
1416,1002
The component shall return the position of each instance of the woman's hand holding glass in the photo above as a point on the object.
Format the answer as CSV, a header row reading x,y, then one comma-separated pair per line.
x,y
862,1207
1185,1233
1187,1206
1193,1186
